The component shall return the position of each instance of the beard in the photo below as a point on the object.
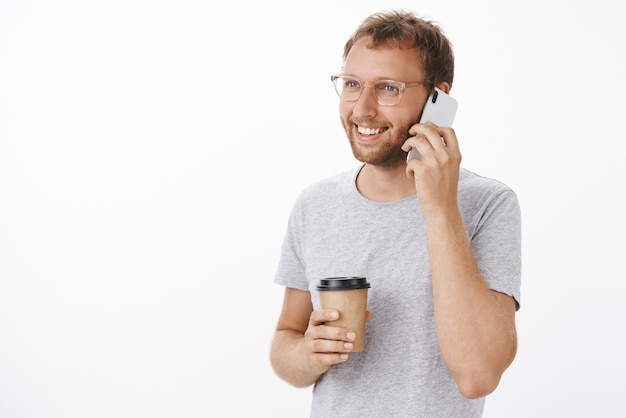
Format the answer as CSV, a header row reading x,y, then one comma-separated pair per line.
x,y
387,151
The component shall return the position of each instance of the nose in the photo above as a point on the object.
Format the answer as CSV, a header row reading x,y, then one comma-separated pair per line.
x,y
366,105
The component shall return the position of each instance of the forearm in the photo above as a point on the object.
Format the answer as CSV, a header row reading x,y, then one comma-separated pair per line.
x,y
475,332
288,359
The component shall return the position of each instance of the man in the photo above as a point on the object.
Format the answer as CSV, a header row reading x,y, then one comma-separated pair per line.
x,y
439,245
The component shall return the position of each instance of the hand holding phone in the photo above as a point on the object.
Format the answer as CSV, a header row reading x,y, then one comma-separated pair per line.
x,y
440,109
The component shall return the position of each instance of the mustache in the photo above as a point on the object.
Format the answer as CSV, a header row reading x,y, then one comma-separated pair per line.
x,y
369,122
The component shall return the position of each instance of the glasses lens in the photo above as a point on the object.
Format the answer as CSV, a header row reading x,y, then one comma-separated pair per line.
x,y
387,92
348,88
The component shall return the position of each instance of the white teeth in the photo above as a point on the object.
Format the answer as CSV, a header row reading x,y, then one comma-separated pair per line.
x,y
369,131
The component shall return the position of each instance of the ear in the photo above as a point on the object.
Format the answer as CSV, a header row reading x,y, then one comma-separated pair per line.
x,y
444,86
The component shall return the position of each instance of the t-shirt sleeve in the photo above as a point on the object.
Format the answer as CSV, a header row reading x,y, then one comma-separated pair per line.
x,y
496,243
291,269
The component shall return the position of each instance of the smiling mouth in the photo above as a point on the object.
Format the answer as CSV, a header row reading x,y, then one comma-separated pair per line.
x,y
370,131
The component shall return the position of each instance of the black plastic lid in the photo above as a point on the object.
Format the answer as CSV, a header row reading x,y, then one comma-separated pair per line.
x,y
343,283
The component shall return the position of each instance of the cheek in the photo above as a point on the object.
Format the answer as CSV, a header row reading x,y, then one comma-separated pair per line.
x,y
345,110
410,112
408,117
402,123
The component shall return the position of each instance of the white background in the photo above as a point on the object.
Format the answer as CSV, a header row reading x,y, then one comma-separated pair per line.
x,y
150,152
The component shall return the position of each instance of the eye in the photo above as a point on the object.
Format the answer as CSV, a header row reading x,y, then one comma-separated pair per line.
x,y
388,88
351,84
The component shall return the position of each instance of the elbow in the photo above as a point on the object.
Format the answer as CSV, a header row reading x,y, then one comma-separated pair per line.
x,y
478,385
478,382
483,377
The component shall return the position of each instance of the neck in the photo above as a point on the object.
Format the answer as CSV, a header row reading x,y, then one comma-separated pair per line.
x,y
384,184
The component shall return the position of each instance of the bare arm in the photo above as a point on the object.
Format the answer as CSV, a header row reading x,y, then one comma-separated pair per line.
x,y
475,325
304,347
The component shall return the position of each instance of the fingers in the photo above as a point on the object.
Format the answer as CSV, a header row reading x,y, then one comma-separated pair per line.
x,y
332,340
326,337
429,138
325,343
321,316
438,148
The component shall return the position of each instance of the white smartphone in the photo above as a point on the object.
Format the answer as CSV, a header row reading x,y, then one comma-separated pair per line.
x,y
440,109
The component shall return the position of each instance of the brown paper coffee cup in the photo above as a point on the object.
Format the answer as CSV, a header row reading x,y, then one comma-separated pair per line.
x,y
348,296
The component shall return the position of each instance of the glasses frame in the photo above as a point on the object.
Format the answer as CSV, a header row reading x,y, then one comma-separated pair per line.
x,y
363,85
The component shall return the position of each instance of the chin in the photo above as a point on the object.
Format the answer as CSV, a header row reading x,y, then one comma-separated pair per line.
x,y
389,159
385,152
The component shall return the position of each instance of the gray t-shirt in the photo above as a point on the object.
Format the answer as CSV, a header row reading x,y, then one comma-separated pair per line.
x,y
334,231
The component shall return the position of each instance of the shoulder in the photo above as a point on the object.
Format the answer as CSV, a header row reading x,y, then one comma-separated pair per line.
x,y
324,195
480,194
472,185
329,187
